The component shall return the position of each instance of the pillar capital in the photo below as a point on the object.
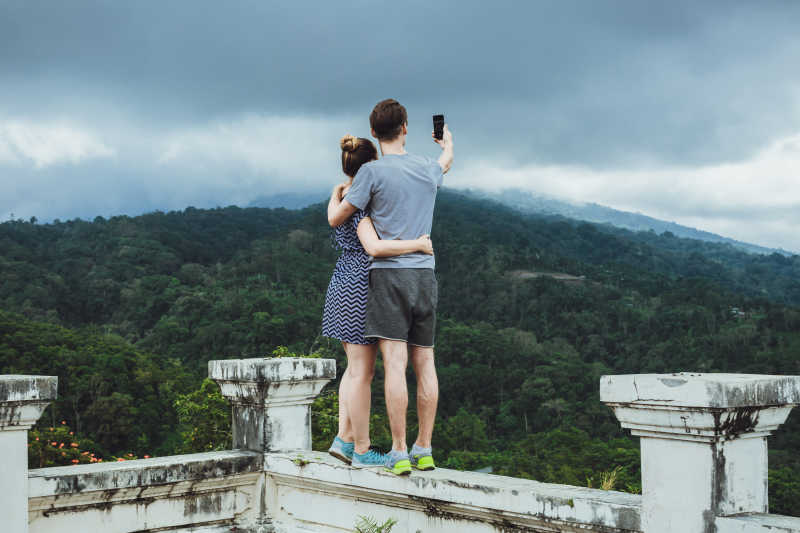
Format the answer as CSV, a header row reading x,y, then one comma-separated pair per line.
x,y
271,399
23,399
700,407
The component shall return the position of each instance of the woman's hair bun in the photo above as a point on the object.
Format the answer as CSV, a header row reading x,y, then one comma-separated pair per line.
x,y
349,143
355,152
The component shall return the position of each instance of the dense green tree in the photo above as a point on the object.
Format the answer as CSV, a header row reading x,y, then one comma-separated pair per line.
x,y
204,419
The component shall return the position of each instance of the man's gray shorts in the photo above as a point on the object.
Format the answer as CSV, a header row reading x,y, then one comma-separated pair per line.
x,y
401,305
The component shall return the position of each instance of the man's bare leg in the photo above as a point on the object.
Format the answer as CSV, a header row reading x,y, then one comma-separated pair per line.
x,y
427,393
395,362
361,367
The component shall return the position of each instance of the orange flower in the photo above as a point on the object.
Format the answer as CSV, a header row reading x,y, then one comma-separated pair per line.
x,y
71,432
147,457
120,459
74,444
54,443
85,453
37,438
63,454
75,461
63,422
61,445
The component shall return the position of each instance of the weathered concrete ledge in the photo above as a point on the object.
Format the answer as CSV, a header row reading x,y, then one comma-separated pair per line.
x,y
704,469
141,472
272,370
200,490
758,523
302,484
685,389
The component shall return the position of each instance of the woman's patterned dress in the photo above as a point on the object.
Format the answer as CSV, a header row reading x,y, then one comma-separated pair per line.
x,y
346,299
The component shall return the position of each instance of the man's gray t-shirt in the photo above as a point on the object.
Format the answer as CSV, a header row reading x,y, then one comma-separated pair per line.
x,y
399,192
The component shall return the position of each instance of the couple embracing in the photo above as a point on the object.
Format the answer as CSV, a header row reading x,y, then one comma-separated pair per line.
x,y
383,292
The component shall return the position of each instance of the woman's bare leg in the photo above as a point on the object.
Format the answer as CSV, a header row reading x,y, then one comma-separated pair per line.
x,y
361,366
345,425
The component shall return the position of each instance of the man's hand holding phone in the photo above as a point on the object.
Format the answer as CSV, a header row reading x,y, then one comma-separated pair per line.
x,y
442,136
447,137
439,128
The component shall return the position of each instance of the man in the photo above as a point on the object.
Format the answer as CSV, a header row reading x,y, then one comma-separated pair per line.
x,y
399,192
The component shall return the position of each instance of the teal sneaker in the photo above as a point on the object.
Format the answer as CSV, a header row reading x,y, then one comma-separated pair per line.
x,y
342,450
422,458
371,459
398,463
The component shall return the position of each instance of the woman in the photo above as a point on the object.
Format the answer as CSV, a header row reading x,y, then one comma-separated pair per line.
x,y
345,306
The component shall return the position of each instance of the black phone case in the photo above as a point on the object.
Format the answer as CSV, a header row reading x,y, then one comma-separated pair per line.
x,y
438,126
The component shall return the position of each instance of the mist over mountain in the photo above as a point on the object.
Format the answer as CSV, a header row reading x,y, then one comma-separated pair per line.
x,y
529,202
289,200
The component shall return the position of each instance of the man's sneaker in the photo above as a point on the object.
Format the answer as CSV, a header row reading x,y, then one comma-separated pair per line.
x,y
398,463
342,450
371,459
422,458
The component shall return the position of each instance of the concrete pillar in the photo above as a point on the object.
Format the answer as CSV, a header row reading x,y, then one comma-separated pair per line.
x,y
22,401
272,399
703,442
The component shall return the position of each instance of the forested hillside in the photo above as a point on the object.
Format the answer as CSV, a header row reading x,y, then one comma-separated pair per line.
x,y
127,311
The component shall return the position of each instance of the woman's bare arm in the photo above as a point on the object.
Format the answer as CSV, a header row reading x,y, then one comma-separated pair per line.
x,y
376,247
339,209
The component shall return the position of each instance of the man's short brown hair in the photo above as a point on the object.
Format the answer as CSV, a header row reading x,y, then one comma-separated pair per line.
x,y
387,119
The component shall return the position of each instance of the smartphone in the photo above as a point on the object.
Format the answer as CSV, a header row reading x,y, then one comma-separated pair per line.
x,y
438,126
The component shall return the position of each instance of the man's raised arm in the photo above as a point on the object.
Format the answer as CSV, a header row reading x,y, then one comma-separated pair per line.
x,y
446,159
339,210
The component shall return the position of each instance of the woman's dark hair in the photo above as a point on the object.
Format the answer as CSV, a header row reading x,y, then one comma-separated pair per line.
x,y
387,119
355,152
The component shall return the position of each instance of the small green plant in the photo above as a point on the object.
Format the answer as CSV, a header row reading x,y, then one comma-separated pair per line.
x,y
367,524
633,488
300,461
608,479
283,351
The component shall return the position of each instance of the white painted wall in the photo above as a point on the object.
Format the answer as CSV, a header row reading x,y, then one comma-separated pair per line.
x,y
703,458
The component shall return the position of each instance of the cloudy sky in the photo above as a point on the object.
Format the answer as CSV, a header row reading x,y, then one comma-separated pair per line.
x,y
686,111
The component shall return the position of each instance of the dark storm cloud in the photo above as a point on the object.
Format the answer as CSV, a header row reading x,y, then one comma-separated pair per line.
x,y
685,110
601,83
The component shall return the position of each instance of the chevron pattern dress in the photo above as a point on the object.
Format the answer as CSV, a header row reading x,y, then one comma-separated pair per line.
x,y
346,299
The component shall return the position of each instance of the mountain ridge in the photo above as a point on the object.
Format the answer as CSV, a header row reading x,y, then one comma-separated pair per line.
x,y
532,203
540,204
